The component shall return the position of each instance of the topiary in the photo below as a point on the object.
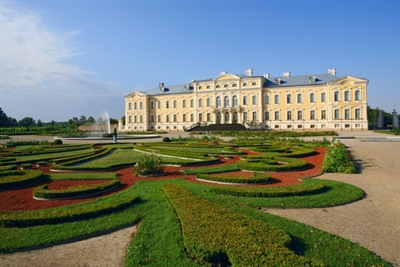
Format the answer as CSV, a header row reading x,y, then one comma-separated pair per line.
x,y
58,142
166,139
148,165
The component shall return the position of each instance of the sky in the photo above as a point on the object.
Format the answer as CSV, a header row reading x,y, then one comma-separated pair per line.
x,y
68,58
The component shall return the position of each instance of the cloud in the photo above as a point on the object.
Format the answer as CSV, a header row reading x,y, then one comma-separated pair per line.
x,y
34,64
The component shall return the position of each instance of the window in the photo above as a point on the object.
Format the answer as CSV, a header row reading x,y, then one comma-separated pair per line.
x,y
218,101
276,115
357,95
191,103
135,106
323,97
158,118
184,103
200,102
288,99
151,104
218,118
266,99
289,115
159,104
266,115
184,117
254,115
218,86
358,113
312,98
200,117
175,118
129,105
192,117
312,114
299,98
130,119
200,87
336,114
245,116
167,118
167,104
347,113
225,86
254,100
226,101
336,97
208,116
323,114
152,118
299,114
134,119
174,103
208,102
346,95
235,117
141,119
234,85
234,101
276,99
208,87
141,105
244,84
253,83
226,117
244,100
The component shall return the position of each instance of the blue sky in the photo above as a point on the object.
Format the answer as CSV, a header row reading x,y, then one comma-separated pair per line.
x,y
60,59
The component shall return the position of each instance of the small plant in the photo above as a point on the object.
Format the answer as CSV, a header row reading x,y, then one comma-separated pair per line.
x,y
148,164
337,159
58,142
166,139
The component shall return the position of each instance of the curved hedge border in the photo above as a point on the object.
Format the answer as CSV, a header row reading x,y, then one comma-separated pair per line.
x,y
86,210
272,164
12,179
290,191
216,169
220,236
42,191
256,178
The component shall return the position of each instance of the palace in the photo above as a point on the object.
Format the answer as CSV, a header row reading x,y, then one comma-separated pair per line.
x,y
316,101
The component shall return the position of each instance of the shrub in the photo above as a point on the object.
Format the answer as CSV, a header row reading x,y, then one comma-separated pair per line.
x,y
11,179
58,142
274,164
217,169
337,159
148,164
256,178
166,139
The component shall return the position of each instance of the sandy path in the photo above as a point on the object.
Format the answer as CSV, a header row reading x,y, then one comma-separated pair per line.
x,y
373,222
106,250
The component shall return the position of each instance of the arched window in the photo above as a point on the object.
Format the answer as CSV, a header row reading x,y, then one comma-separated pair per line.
x,y
218,86
346,95
312,114
175,118
200,87
135,106
266,99
141,105
218,101
289,115
167,104
253,83
151,104
276,115
323,97
218,117
244,84
225,86
129,105
336,96
266,115
288,98
159,104
234,101
184,103
234,85
226,101
244,100
226,117
158,118
208,87
141,119
200,102
254,100
200,117
130,119
191,103
299,114
174,103
312,98
276,99
235,117
357,95
184,117
299,98
208,102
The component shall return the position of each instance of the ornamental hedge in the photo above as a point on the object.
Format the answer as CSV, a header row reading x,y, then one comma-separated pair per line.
x,y
289,191
256,178
273,164
216,169
217,235
12,179
44,192
337,159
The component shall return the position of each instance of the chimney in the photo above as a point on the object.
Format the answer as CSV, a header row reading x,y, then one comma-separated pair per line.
x,y
266,75
332,71
278,81
161,86
286,74
223,72
249,72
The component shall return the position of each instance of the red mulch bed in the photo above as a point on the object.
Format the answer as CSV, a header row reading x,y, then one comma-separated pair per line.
x,y
22,200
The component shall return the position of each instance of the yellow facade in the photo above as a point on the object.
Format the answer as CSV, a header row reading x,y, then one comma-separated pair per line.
x,y
259,102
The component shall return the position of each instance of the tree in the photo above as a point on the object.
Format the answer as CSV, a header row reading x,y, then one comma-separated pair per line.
x,y
27,122
39,123
4,120
90,120
372,116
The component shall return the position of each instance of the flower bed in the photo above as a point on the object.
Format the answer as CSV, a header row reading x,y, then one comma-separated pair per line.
x,y
337,159
43,191
217,235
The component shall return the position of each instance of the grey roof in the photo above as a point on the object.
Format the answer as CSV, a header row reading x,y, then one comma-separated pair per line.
x,y
173,89
300,80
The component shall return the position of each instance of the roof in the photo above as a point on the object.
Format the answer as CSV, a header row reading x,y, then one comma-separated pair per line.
x,y
311,79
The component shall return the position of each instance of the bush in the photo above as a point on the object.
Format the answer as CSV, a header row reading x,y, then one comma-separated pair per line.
x,y
337,159
148,164
273,164
11,179
166,139
256,178
58,142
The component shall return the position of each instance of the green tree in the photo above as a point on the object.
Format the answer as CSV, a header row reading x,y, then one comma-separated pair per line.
x,y
27,122
4,120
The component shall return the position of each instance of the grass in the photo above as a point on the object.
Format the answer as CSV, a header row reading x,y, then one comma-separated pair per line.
x,y
82,176
210,170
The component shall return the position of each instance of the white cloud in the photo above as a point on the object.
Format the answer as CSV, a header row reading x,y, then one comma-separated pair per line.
x,y
34,65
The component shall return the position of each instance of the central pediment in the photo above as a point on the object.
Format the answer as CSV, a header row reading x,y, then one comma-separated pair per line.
x,y
225,77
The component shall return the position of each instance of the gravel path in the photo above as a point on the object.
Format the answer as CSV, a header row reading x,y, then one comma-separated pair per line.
x,y
373,222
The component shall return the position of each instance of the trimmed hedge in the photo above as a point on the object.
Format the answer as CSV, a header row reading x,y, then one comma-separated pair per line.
x,y
256,178
11,179
272,164
272,192
337,159
82,211
210,170
42,191
220,236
